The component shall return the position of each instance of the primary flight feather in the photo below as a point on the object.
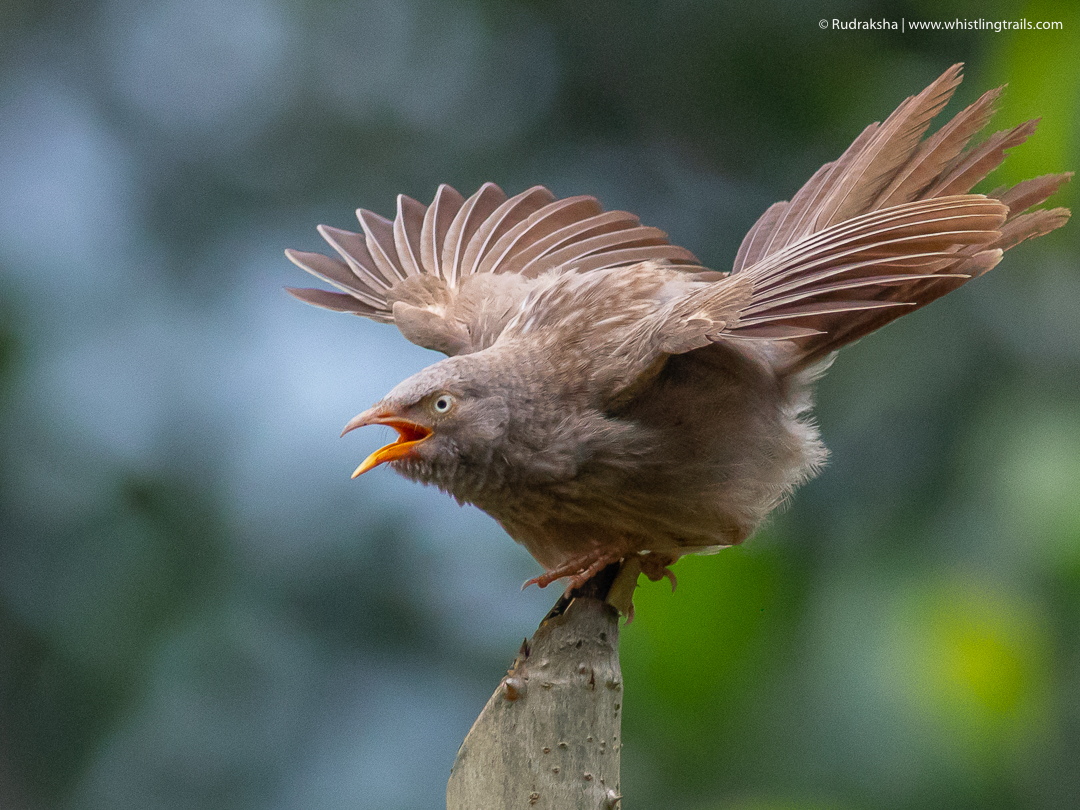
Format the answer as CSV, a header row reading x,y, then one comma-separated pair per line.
x,y
605,396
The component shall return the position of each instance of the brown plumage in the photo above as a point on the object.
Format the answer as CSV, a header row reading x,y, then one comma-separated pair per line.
x,y
605,395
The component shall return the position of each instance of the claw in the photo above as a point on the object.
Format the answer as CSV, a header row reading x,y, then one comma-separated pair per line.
x,y
541,581
656,568
667,572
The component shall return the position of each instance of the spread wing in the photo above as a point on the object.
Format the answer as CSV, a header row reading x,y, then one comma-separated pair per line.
x,y
451,274
885,229
844,274
900,195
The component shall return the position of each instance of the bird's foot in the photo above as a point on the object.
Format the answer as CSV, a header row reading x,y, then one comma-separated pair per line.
x,y
652,565
584,567
579,569
655,567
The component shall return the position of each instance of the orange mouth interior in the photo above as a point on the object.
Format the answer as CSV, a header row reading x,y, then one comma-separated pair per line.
x,y
410,434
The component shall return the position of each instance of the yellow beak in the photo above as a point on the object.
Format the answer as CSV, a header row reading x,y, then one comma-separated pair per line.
x,y
410,434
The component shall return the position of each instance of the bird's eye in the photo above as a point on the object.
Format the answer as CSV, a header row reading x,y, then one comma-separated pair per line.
x,y
443,403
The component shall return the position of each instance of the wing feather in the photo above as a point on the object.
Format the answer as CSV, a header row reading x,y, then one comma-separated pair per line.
x,y
855,276
527,260
338,274
1028,193
530,237
758,237
408,231
979,161
440,214
338,302
797,218
938,151
352,247
470,217
424,265
503,219
379,238
891,147
882,230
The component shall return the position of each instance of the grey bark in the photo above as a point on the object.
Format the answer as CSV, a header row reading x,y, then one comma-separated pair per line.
x,y
549,737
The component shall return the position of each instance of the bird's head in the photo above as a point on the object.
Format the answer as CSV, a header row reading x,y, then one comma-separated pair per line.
x,y
449,421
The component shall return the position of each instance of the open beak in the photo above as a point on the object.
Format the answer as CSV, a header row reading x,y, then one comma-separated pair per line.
x,y
410,434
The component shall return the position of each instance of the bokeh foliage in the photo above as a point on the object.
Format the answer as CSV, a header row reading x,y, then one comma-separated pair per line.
x,y
199,610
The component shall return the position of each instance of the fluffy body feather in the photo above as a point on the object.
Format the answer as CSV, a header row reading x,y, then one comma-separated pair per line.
x,y
605,395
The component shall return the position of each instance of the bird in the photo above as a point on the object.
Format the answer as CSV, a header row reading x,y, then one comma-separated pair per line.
x,y
607,398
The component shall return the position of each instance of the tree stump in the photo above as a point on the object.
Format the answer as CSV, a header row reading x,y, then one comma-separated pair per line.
x,y
549,737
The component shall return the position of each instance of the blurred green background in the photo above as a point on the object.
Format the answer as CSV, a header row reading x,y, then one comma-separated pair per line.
x,y
198,608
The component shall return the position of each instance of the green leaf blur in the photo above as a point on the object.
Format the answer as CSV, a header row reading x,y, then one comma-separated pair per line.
x,y
198,608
